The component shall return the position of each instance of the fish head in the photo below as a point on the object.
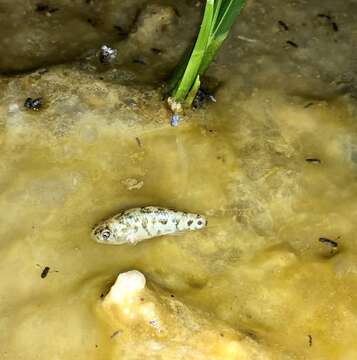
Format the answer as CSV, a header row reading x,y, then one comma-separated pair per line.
x,y
198,222
108,232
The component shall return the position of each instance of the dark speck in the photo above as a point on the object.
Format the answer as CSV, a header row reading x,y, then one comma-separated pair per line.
x,y
33,104
92,22
41,7
177,13
313,160
308,105
45,8
120,30
138,141
45,272
189,222
115,333
329,20
328,17
172,295
310,340
328,242
291,43
139,61
283,25
201,98
156,50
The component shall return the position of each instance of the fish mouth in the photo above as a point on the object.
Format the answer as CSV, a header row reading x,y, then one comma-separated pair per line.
x,y
94,236
96,232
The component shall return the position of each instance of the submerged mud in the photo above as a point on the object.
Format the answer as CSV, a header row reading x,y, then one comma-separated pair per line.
x,y
272,165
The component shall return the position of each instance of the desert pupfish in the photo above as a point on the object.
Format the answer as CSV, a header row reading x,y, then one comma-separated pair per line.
x,y
134,225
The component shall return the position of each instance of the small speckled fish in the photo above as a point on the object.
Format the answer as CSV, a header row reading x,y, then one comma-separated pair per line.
x,y
134,225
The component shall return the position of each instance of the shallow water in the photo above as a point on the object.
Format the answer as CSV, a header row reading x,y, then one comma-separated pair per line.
x,y
259,266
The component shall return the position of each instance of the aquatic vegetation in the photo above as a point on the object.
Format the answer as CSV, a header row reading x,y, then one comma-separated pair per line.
x,y
218,18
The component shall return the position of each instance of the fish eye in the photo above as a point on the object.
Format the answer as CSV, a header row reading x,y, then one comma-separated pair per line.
x,y
105,234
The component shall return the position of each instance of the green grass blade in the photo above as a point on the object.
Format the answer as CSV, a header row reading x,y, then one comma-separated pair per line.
x,y
193,66
178,73
229,11
191,95
217,8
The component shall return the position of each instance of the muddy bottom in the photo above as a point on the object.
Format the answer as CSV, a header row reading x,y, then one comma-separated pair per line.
x,y
272,165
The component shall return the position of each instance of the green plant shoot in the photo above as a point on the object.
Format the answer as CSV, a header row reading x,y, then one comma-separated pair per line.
x,y
218,18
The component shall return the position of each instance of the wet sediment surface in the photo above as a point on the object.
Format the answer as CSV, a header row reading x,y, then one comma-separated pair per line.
x,y
272,165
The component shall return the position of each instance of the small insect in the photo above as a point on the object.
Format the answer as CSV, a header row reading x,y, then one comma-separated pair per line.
x,y
45,272
138,141
283,25
328,242
33,104
310,340
201,97
45,8
292,43
106,54
334,26
134,225
313,160
329,20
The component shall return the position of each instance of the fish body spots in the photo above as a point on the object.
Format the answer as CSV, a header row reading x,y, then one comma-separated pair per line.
x,y
144,223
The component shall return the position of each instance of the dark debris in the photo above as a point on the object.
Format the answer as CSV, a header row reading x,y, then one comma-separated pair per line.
x,y
33,104
120,31
106,54
313,160
201,98
329,21
292,43
328,242
45,272
283,25
310,340
45,8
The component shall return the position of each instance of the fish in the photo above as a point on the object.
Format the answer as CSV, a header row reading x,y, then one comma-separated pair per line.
x,y
138,224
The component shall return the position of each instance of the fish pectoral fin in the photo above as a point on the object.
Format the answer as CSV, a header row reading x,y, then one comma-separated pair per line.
x,y
131,239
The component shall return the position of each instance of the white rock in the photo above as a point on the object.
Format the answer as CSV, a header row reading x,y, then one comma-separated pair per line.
x,y
13,108
127,285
